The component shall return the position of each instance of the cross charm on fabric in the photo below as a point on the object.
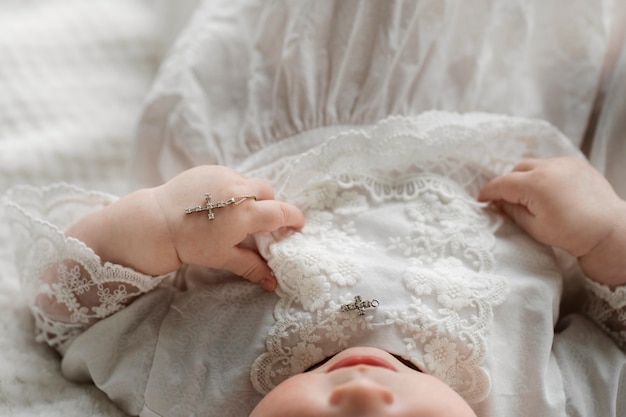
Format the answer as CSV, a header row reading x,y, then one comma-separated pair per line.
x,y
359,305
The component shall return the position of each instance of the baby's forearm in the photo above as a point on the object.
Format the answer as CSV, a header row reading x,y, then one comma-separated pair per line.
x,y
606,263
131,232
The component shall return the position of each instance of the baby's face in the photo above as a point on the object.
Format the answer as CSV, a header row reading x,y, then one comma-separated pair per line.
x,y
363,382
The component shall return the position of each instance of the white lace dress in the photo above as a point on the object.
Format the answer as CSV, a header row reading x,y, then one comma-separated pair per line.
x,y
390,207
391,216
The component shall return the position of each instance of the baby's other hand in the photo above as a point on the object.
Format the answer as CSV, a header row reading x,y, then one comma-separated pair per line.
x,y
563,202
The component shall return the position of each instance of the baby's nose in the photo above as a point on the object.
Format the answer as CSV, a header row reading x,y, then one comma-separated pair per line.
x,y
361,395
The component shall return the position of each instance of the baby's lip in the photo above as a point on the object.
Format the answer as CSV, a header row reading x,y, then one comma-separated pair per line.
x,y
362,360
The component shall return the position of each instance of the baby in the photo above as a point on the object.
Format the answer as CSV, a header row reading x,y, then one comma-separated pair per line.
x,y
376,270
562,202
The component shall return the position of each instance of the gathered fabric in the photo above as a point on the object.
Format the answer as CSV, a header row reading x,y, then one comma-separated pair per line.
x,y
246,74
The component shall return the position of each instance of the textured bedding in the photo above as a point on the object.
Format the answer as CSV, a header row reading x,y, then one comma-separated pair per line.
x,y
73,76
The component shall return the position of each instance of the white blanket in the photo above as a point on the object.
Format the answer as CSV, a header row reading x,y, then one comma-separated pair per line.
x,y
73,76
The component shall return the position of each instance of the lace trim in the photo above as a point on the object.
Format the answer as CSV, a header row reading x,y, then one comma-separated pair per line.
x,y
469,149
606,306
68,286
55,334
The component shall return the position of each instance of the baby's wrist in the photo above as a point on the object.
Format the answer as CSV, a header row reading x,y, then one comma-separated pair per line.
x,y
606,262
140,236
162,253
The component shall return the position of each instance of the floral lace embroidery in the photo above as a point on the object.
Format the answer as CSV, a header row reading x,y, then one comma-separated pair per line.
x,y
417,176
68,286
321,269
75,292
436,243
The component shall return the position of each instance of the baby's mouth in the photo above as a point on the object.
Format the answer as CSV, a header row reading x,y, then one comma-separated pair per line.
x,y
362,360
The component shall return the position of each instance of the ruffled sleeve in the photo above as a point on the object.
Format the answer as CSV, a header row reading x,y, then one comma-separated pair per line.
x,y
606,306
66,284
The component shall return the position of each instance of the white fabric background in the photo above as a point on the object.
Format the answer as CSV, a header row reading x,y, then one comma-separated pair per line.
x,y
293,66
73,76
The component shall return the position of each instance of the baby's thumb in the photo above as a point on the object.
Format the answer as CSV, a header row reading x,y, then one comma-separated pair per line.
x,y
251,266
519,213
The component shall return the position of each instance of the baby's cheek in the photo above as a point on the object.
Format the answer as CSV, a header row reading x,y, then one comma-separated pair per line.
x,y
302,395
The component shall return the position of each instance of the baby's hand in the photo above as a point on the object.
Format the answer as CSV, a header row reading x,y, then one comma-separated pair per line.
x,y
217,243
563,202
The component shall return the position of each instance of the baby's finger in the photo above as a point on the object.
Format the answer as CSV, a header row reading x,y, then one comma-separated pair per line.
x,y
271,215
262,189
511,188
251,266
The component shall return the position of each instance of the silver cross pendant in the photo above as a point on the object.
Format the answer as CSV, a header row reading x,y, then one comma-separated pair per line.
x,y
360,305
210,206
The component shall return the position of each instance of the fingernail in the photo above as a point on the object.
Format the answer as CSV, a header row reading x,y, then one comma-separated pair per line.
x,y
268,284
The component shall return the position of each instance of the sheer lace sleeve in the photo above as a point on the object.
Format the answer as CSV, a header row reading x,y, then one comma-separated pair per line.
x,y
606,306
66,284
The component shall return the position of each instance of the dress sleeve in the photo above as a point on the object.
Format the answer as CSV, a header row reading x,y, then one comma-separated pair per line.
x,y
67,286
606,306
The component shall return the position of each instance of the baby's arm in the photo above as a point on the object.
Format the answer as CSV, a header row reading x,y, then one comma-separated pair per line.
x,y
110,257
149,231
566,203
